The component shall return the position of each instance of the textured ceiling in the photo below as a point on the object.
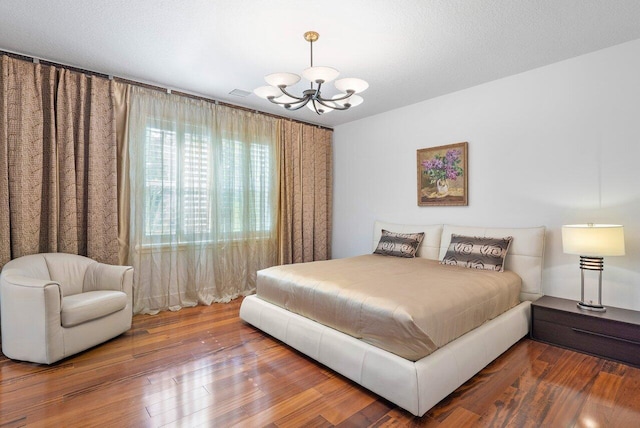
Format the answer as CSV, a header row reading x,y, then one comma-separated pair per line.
x,y
408,50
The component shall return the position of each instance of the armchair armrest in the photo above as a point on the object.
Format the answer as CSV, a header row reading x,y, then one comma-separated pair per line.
x,y
26,281
30,312
100,276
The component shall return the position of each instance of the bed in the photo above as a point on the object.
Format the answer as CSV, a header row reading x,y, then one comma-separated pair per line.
x,y
413,385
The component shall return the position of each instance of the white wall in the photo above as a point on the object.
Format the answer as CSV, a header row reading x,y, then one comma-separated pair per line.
x,y
552,146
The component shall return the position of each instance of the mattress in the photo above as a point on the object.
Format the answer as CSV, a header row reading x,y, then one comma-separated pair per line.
x,y
409,307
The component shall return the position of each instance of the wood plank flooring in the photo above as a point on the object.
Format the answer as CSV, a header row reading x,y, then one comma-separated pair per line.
x,y
204,367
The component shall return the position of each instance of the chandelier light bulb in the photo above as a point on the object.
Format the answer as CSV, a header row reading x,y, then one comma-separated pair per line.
x,y
267,91
353,100
320,74
351,84
282,79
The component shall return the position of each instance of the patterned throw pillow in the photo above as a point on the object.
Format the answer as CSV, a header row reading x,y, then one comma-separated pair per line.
x,y
477,252
399,244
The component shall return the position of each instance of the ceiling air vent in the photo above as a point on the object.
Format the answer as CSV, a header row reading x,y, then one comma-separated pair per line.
x,y
240,93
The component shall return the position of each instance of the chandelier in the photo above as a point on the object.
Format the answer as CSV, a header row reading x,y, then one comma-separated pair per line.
x,y
277,92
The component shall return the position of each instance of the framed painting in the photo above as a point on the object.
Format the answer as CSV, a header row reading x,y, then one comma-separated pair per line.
x,y
443,175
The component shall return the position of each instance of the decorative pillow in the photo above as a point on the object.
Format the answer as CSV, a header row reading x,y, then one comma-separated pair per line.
x,y
399,244
477,252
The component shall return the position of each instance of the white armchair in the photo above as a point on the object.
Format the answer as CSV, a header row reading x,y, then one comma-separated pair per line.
x,y
54,305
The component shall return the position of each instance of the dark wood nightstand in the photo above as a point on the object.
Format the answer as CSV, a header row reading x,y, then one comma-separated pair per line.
x,y
614,334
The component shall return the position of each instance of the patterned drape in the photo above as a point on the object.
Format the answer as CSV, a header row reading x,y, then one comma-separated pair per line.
x,y
305,193
58,176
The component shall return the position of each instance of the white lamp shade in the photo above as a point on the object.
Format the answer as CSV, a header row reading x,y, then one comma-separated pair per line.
x,y
282,79
320,74
267,91
320,107
354,100
351,84
595,240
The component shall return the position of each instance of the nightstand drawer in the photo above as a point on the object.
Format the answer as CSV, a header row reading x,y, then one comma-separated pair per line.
x,y
588,341
590,322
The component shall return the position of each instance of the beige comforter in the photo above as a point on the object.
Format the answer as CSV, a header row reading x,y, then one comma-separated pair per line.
x,y
409,307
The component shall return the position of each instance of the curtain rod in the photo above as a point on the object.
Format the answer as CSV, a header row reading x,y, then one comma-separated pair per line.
x,y
153,87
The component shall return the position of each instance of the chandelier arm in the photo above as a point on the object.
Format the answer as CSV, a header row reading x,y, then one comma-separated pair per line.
x,y
284,103
290,95
349,93
298,107
315,107
335,107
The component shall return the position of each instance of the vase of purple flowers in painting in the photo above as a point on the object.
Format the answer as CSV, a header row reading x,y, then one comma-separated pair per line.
x,y
443,186
440,169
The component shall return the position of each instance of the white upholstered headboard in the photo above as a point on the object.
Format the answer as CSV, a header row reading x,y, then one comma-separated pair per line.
x,y
525,254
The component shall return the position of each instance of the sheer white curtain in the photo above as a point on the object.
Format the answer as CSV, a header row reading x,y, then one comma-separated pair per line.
x,y
203,200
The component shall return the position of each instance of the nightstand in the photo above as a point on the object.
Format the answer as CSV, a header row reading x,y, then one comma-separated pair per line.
x,y
614,334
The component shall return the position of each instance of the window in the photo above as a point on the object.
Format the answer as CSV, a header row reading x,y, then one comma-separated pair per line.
x,y
193,190
246,190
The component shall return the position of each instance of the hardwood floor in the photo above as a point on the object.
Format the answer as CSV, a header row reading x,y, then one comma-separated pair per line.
x,y
204,367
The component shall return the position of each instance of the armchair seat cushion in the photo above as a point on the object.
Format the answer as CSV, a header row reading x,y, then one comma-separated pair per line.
x,y
83,307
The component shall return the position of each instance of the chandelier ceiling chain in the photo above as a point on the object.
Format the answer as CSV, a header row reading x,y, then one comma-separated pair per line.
x,y
312,97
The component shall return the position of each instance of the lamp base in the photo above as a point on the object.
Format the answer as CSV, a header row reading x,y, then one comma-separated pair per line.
x,y
591,307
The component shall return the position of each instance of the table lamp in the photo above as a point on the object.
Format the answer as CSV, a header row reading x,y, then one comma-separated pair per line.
x,y
591,242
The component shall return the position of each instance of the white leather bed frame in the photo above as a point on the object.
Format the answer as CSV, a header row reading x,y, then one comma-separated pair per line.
x,y
415,386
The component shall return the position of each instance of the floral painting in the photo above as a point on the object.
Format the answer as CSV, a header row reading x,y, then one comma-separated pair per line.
x,y
443,175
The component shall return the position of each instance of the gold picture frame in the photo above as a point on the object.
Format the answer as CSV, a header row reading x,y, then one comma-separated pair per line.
x,y
443,175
